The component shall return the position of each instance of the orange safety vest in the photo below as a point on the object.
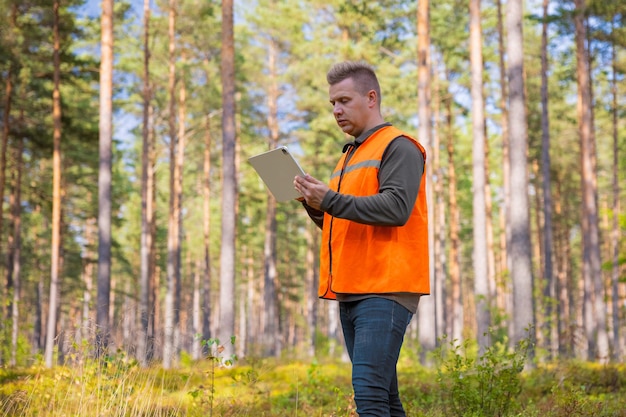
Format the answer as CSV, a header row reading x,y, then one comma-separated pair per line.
x,y
357,258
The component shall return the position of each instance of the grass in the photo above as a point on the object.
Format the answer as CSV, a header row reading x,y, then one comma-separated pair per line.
x,y
272,387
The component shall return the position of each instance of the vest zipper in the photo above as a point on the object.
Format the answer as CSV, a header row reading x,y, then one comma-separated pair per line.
x,y
332,218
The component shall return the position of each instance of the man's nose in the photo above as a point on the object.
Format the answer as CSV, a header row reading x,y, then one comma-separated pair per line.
x,y
337,109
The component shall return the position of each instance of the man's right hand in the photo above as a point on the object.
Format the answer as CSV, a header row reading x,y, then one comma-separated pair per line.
x,y
312,189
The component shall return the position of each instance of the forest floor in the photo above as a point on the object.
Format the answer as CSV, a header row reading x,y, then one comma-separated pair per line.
x,y
273,387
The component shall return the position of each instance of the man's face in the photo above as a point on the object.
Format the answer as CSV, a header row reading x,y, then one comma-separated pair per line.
x,y
350,108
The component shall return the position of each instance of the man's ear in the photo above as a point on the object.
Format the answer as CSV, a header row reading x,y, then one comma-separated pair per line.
x,y
372,97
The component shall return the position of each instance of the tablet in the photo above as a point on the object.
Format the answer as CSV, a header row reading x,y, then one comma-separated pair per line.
x,y
277,168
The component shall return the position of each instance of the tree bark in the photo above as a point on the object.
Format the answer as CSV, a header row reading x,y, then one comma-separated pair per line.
x,y
439,215
594,315
229,185
456,331
206,227
428,307
56,193
615,229
104,180
271,335
519,241
143,340
173,243
16,250
481,273
503,301
549,329
6,125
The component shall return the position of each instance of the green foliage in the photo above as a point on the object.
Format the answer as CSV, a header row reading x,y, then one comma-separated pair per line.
x,y
479,386
117,386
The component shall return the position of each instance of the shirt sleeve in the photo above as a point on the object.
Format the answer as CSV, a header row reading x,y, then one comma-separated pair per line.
x,y
399,177
316,215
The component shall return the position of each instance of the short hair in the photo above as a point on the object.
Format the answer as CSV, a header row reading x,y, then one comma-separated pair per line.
x,y
361,72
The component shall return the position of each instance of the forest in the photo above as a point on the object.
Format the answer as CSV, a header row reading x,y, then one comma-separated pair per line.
x,y
132,222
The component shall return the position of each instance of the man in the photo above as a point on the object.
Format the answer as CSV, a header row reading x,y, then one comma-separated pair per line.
x,y
374,250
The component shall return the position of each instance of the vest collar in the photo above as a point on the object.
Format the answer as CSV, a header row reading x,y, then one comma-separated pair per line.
x,y
363,137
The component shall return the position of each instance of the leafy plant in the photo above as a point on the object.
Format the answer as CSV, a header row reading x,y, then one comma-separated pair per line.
x,y
215,349
485,385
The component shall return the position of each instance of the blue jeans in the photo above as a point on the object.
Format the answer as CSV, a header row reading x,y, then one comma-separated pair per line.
x,y
374,329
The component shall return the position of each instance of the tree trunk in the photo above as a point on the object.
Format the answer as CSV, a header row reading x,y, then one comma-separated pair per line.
x,y
206,227
428,308
503,300
229,186
38,339
173,243
87,280
481,273
6,123
180,160
519,241
439,215
615,230
104,180
595,315
563,290
146,199
56,193
548,240
456,331
271,334
16,214
312,282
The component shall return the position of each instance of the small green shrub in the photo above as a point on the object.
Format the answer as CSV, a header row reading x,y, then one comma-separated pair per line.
x,y
486,385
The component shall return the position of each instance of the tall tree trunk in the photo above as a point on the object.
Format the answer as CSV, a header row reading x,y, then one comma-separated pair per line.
x,y
439,215
173,243
87,279
502,301
104,179
229,186
16,214
56,192
519,241
312,282
548,240
456,331
206,227
196,314
428,308
615,230
180,160
146,206
38,338
595,315
271,334
481,274
564,324
6,123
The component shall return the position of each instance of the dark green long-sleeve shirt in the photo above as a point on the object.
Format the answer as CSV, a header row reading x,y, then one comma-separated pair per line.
x,y
399,177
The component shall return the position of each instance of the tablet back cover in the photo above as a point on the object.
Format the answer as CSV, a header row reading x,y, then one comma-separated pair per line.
x,y
277,168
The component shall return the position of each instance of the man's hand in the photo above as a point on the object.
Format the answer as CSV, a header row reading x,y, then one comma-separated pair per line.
x,y
313,190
